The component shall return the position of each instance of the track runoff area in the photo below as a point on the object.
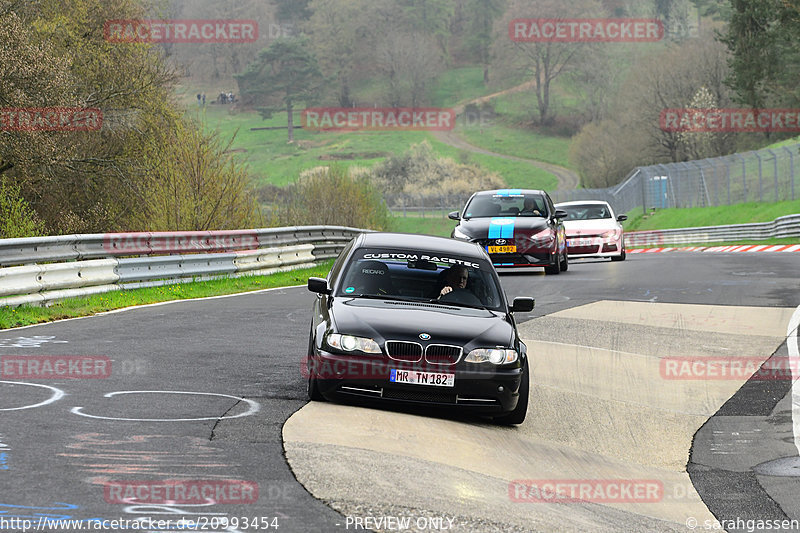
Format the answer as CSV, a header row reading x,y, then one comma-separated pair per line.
x,y
636,420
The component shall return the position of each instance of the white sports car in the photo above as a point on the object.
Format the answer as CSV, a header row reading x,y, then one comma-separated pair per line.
x,y
593,230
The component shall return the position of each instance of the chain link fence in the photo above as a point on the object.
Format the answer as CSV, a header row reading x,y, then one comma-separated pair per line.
x,y
761,176
767,175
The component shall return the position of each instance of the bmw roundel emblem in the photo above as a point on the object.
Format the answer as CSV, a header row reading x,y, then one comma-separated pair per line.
x,y
424,336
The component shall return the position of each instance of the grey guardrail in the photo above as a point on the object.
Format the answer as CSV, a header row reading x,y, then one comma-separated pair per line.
x,y
788,226
44,269
36,250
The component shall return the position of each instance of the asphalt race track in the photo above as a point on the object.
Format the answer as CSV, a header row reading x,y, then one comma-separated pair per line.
x,y
211,390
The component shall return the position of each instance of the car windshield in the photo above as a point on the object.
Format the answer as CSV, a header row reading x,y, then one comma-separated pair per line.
x,y
586,211
503,204
421,276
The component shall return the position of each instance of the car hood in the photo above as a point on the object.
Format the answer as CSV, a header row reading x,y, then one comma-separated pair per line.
x,y
501,227
590,227
392,320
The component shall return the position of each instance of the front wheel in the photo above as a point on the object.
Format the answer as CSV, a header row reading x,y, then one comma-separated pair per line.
x,y
517,416
311,387
620,257
552,270
564,265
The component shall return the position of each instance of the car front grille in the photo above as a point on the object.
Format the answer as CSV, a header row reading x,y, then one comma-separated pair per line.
x,y
443,354
404,351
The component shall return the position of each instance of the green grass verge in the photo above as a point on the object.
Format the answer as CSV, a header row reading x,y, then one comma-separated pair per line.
x,y
767,242
457,86
430,225
711,216
76,307
519,142
787,142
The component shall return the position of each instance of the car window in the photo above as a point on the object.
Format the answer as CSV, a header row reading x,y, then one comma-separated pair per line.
x,y
506,205
587,211
418,276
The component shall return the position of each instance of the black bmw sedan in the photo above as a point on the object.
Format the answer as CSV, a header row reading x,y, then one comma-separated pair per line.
x,y
517,227
419,320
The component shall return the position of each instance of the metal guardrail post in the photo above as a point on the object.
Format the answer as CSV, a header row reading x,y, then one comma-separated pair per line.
x,y
744,177
760,177
791,168
728,180
775,171
643,184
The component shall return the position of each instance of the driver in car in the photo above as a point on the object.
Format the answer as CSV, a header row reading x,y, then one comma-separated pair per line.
x,y
456,278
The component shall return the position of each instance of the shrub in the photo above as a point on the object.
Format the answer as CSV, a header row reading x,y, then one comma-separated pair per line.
x,y
17,219
419,172
331,196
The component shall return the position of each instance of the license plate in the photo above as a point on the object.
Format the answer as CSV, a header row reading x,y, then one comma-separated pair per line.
x,y
575,243
422,378
502,249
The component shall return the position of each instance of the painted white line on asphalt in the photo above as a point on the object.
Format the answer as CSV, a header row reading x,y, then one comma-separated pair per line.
x,y
57,395
253,408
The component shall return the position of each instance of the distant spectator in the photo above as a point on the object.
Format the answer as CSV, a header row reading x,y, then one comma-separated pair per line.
x,y
199,99
204,99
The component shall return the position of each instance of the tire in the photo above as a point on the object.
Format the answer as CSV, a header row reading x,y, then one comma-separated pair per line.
x,y
517,416
564,265
312,388
620,257
553,270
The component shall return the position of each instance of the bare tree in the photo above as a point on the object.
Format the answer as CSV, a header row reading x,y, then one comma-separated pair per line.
x,y
408,62
671,79
541,62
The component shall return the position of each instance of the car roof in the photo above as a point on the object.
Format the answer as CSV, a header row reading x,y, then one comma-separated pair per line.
x,y
422,243
509,192
584,202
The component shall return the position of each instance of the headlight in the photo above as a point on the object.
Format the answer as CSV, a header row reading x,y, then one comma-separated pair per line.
x,y
545,237
460,235
497,356
610,234
349,343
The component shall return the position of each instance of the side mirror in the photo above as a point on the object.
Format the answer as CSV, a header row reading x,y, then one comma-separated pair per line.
x,y
319,285
455,215
622,218
523,305
560,213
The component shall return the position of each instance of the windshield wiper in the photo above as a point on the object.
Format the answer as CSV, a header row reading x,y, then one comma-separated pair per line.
x,y
459,304
383,297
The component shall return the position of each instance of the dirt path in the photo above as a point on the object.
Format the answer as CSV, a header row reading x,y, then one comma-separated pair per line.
x,y
567,179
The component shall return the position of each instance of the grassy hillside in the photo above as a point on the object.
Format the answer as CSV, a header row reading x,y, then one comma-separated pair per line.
x,y
712,216
273,161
